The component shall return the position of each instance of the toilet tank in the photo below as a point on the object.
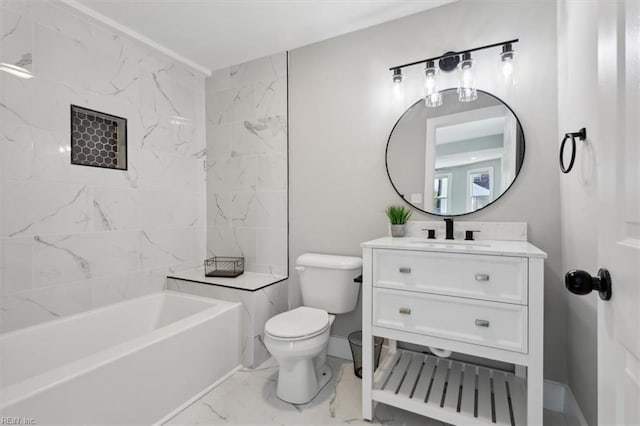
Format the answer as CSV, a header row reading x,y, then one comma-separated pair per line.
x,y
326,281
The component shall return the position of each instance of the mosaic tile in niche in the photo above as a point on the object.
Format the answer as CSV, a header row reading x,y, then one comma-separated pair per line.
x,y
98,139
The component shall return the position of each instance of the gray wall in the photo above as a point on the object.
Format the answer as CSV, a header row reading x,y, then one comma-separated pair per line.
x,y
577,107
406,155
341,114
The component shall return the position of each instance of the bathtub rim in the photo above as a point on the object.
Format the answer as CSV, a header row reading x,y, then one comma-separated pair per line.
x,y
18,392
71,317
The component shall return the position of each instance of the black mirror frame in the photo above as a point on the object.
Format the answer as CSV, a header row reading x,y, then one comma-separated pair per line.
x,y
386,158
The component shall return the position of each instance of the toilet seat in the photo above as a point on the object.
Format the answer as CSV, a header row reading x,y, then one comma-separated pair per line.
x,y
297,324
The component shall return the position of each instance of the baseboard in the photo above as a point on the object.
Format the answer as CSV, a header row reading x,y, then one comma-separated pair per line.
x,y
558,397
572,411
339,347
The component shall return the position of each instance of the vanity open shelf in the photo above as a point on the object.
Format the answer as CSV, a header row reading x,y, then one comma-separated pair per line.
x,y
483,300
451,391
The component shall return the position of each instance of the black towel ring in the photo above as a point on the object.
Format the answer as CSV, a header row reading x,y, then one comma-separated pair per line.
x,y
581,135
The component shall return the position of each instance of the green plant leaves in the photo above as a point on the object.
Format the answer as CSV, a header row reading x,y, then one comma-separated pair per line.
x,y
398,215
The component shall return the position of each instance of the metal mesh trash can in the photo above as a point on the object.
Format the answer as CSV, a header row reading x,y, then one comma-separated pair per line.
x,y
355,341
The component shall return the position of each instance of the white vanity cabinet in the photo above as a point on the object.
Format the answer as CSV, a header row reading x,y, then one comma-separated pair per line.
x,y
481,298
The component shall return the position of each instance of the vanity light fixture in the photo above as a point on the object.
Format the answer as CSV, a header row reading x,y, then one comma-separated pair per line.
x,y
508,64
16,70
432,95
461,61
467,91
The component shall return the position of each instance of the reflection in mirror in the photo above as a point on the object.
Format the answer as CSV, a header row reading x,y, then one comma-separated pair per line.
x,y
456,158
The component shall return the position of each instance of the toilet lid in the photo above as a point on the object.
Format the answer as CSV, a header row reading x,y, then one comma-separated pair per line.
x,y
299,322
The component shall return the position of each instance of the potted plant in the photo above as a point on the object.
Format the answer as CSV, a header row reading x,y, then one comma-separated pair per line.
x,y
398,216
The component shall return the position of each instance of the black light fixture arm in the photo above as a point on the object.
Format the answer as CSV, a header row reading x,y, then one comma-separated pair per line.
x,y
451,54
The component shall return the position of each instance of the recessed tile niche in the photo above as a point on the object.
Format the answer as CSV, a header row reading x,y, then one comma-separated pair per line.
x,y
98,139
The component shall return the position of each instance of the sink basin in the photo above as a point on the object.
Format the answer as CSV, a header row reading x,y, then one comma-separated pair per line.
x,y
447,243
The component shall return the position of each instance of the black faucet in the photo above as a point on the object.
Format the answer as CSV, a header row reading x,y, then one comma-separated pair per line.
x,y
449,228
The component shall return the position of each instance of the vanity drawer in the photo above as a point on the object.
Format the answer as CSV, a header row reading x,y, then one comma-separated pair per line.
x,y
497,278
498,325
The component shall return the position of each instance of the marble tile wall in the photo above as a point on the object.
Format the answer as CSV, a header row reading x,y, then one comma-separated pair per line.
x,y
74,237
246,116
258,307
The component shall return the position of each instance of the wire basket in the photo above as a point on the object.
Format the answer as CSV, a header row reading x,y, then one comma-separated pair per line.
x,y
219,266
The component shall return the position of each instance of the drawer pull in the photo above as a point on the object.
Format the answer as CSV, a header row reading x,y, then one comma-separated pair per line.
x,y
405,270
482,277
405,311
482,323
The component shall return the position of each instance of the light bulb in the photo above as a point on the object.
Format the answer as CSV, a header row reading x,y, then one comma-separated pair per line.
x,y
432,96
398,92
507,68
467,91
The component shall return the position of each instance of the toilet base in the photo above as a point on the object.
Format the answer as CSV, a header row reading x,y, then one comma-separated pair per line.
x,y
311,390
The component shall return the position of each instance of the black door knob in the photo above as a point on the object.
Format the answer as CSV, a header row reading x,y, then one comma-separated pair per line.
x,y
581,282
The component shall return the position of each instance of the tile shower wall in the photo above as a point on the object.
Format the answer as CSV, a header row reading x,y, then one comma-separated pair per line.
x,y
246,109
75,237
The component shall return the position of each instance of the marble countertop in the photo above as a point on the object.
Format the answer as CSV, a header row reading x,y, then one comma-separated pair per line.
x,y
250,281
488,247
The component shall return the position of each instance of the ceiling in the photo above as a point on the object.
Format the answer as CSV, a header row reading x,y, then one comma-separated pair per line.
x,y
213,34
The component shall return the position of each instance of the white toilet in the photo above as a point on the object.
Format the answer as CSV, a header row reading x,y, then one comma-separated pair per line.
x,y
298,339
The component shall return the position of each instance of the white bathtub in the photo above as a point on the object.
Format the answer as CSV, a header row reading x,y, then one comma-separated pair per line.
x,y
132,363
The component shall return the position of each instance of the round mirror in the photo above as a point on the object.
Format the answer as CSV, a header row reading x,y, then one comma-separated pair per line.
x,y
456,158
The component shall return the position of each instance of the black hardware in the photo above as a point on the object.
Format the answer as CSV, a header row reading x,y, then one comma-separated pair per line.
x,y
397,75
507,51
581,135
450,57
449,228
358,279
431,233
581,282
468,235
449,62
482,323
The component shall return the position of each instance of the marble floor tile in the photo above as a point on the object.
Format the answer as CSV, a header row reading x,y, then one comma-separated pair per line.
x,y
248,397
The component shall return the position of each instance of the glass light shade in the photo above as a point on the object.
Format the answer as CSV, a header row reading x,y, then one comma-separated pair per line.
x,y
397,93
397,87
432,95
508,67
467,91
